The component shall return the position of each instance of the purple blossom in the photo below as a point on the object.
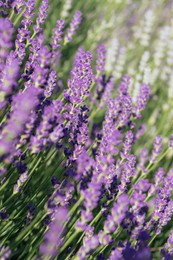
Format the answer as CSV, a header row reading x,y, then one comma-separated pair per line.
x,y
127,145
156,149
29,126
101,57
38,78
107,149
128,172
124,84
5,252
140,132
6,32
166,215
81,78
116,254
169,244
75,22
22,179
139,206
119,209
26,100
89,245
42,15
142,98
23,32
17,5
60,197
159,177
53,237
142,186
143,159
107,94
170,143
57,35
51,83
9,76
50,128
38,61
29,13
123,103
118,213
163,206
55,43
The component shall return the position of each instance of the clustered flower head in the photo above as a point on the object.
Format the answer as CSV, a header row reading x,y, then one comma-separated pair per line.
x,y
77,179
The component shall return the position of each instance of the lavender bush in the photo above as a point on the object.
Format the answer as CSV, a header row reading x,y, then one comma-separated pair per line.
x,y
85,136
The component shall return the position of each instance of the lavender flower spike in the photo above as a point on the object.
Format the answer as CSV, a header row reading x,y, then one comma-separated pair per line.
x,y
156,149
142,98
6,31
81,78
22,105
42,14
101,58
73,26
52,239
127,145
51,83
57,34
169,245
9,76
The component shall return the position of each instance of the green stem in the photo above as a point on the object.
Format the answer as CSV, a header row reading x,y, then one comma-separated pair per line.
x,y
27,230
68,242
75,206
18,17
152,239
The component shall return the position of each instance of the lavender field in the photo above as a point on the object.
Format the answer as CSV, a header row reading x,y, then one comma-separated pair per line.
x,y
86,129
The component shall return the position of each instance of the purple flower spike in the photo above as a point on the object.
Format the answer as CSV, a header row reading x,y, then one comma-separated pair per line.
x,y
22,179
5,252
10,73
51,83
57,34
89,245
29,13
123,102
17,5
76,20
170,143
159,177
50,129
101,57
140,132
56,40
6,31
156,149
128,172
42,14
143,159
53,237
116,254
120,208
169,244
142,98
163,210
22,105
127,145
81,78
23,32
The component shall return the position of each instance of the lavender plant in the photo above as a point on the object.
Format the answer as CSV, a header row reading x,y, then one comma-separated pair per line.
x,y
79,177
